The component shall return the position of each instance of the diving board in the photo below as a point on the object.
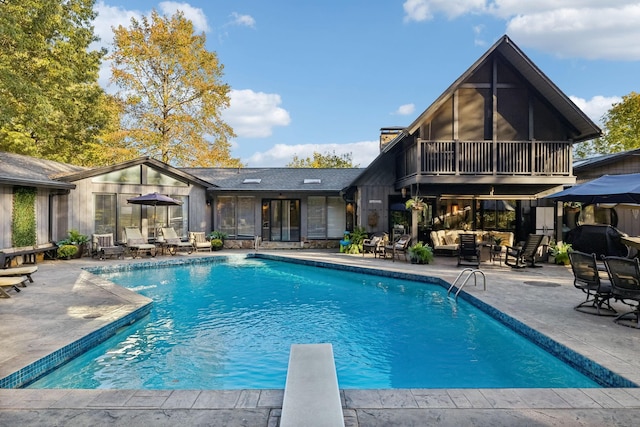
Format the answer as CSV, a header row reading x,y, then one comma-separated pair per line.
x,y
311,393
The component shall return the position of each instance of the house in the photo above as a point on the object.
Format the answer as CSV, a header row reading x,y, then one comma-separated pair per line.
x,y
479,156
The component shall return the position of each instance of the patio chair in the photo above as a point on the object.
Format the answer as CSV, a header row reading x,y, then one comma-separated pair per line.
x,y
136,243
103,245
23,271
525,255
624,274
398,247
199,241
468,250
586,277
170,240
10,282
375,244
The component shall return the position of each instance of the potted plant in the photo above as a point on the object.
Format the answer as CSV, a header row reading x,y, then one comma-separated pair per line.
x,y
415,203
216,244
77,239
560,252
67,251
215,234
419,253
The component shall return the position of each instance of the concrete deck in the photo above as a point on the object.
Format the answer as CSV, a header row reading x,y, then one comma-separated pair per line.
x,y
66,303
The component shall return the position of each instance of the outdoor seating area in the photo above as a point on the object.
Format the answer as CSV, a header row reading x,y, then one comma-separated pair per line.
x,y
199,241
525,255
103,246
168,238
398,247
375,244
588,278
136,244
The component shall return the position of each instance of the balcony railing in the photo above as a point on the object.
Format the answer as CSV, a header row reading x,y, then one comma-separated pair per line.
x,y
550,158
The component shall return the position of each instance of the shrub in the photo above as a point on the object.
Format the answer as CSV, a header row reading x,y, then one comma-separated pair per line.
x,y
216,244
67,251
420,253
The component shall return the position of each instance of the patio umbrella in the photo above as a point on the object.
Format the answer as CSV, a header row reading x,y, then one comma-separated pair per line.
x,y
606,189
155,200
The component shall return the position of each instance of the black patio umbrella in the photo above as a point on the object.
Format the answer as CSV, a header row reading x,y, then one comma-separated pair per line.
x,y
606,189
155,200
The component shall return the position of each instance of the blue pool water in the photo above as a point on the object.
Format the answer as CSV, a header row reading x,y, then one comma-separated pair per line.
x,y
230,326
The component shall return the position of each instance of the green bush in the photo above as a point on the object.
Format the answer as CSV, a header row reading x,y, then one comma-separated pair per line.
x,y
23,225
421,253
74,237
356,237
215,234
67,251
216,244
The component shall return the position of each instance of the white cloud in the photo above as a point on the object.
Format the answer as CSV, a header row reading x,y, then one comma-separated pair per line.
x,y
362,153
194,14
597,106
243,20
255,114
589,29
405,110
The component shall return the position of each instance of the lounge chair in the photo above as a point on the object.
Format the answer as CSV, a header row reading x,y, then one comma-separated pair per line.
x,y
400,246
624,274
170,240
586,277
375,244
23,271
136,243
103,245
525,255
199,241
468,250
10,282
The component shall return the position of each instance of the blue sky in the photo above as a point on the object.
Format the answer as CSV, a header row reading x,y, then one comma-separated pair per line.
x,y
327,75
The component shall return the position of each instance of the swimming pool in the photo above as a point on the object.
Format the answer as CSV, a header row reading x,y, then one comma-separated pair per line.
x,y
230,326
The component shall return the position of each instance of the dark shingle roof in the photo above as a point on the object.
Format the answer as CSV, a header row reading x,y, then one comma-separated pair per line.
x,y
277,179
602,160
16,169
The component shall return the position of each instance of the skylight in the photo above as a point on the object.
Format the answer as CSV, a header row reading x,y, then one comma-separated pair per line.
x,y
312,180
252,181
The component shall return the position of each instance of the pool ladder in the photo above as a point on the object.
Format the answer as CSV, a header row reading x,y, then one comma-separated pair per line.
x,y
467,274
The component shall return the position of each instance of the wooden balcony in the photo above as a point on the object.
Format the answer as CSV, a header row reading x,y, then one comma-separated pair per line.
x,y
486,158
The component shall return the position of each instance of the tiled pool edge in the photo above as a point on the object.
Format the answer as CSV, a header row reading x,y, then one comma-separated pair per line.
x,y
61,356
599,373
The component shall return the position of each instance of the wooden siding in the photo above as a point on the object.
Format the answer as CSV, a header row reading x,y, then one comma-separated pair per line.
x,y
6,209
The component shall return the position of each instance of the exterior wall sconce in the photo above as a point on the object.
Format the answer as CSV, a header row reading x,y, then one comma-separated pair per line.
x,y
404,192
454,209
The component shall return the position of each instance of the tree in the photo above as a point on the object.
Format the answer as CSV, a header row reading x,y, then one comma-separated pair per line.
x,y
327,160
171,92
621,129
50,100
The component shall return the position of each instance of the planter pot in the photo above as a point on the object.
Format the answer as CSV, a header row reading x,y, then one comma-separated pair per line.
x,y
81,249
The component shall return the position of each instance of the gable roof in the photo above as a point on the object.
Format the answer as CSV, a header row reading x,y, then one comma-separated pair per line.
x,y
277,179
156,164
17,169
585,128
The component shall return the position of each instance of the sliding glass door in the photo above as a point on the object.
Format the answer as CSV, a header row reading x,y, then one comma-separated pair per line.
x,y
281,220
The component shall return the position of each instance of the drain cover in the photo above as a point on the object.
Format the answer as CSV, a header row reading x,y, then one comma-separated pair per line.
x,y
542,284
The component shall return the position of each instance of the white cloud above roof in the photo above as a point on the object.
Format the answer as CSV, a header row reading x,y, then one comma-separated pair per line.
x,y
255,114
586,29
362,153
596,107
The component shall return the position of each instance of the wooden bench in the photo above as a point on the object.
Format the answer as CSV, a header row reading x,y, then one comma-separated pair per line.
x,y
28,253
311,394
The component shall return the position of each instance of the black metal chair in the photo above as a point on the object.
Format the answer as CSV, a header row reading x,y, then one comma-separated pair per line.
x,y
526,254
624,274
468,250
586,277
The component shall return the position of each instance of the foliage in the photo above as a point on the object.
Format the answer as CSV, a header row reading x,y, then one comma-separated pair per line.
x,y
421,253
218,235
51,105
67,251
216,243
560,251
356,237
171,92
327,160
415,203
621,129
23,225
74,237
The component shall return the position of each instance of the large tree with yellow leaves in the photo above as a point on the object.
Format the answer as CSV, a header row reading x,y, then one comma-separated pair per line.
x,y
171,92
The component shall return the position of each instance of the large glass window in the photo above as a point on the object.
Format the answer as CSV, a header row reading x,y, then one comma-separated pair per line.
x,y
128,215
316,217
130,175
235,216
326,217
155,177
179,216
104,207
